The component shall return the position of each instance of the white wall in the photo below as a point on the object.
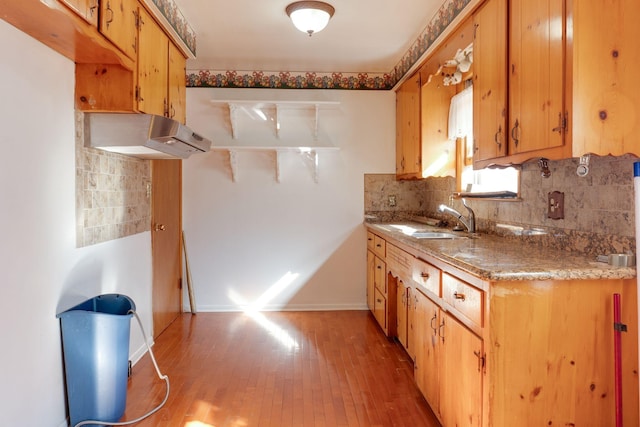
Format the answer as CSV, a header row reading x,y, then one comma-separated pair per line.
x,y
297,244
42,271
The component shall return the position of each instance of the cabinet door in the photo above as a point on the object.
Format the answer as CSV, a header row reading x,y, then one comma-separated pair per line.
x,y
462,365
402,313
426,346
87,9
371,268
380,309
605,95
177,84
408,129
152,66
536,79
438,154
490,81
380,276
118,24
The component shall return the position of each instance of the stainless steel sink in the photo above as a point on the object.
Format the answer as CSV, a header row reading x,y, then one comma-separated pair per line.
x,y
434,235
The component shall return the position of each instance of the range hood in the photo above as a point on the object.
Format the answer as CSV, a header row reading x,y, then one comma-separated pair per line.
x,y
145,136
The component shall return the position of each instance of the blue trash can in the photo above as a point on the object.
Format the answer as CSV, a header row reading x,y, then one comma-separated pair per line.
x,y
95,345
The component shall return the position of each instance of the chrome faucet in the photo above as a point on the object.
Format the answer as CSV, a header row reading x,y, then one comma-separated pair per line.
x,y
469,222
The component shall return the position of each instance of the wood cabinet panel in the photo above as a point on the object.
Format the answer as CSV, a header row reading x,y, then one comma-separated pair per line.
x,y
177,85
427,349
438,151
399,262
104,87
153,66
552,343
604,96
462,364
536,75
490,81
408,128
402,313
380,275
380,309
371,286
118,20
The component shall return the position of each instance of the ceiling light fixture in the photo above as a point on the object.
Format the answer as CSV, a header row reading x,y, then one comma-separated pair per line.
x,y
310,16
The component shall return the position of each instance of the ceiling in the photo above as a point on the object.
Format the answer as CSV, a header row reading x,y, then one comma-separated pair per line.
x,y
363,36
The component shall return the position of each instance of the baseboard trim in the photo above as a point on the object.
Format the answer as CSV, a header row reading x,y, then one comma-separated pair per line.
x,y
288,307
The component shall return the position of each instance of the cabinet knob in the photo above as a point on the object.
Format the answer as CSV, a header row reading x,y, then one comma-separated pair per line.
x,y
159,227
458,295
424,275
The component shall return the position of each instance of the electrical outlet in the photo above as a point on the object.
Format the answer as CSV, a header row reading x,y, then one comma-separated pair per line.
x,y
392,201
555,206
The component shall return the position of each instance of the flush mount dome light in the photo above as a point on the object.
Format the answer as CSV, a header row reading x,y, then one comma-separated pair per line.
x,y
310,16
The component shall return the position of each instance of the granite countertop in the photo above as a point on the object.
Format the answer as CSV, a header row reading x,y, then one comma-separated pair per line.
x,y
492,257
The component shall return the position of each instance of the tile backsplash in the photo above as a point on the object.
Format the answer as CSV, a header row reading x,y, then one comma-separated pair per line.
x,y
113,193
599,208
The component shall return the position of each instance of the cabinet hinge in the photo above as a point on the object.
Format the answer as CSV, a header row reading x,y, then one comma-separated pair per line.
x,y
563,123
620,327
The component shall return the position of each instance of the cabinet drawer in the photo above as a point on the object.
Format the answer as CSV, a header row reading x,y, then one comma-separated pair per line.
x,y
466,299
379,246
399,262
370,239
426,275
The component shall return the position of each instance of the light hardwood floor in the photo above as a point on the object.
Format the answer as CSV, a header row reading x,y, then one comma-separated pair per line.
x,y
278,369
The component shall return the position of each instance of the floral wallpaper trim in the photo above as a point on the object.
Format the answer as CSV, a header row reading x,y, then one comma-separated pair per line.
x,y
288,80
178,22
449,10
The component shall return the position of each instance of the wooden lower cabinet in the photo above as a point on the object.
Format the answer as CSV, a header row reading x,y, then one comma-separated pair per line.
x,y
508,353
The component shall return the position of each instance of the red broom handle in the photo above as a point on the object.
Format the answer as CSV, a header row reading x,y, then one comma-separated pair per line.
x,y
617,328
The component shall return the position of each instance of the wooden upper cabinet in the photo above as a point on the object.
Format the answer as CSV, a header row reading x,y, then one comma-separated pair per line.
x,y
153,66
603,94
408,145
177,84
490,81
118,23
570,85
86,9
519,105
536,76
